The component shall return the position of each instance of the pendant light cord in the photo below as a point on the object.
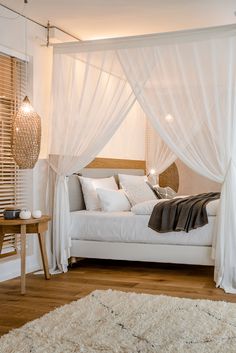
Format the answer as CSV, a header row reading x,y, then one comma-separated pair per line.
x,y
26,57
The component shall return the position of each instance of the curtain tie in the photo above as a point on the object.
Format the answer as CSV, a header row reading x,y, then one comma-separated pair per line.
x,y
231,161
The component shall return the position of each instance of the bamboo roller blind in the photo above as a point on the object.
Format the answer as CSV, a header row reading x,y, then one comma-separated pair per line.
x,y
14,190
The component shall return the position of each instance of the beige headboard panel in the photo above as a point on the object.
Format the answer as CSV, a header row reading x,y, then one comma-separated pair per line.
x,y
101,168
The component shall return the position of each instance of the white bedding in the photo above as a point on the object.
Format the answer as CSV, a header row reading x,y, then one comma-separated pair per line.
x,y
146,207
131,228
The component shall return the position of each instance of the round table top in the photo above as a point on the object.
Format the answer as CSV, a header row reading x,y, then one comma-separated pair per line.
x,y
18,221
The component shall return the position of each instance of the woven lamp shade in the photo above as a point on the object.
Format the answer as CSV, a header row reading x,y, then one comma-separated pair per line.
x,y
26,136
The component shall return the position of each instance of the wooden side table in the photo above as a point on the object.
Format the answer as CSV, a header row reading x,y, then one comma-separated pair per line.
x,y
24,227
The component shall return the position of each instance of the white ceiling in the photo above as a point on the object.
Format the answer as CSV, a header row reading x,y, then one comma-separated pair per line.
x,y
92,19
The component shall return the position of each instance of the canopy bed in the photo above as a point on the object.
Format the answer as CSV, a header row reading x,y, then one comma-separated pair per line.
x,y
185,82
125,235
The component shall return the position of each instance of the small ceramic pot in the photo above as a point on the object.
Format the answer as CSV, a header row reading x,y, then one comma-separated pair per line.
x,y
25,214
36,214
11,213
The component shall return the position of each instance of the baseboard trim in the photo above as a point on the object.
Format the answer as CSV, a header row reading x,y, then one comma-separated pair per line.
x,y
14,274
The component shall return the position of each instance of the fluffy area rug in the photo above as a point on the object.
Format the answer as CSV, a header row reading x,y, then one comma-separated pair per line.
x,y
112,321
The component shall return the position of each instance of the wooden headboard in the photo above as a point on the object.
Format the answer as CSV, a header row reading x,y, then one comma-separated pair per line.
x,y
105,167
112,163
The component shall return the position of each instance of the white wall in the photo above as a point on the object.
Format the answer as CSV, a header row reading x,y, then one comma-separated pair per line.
x,y
129,140
193,183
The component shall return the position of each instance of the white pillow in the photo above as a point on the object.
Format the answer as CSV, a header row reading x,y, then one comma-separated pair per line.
x,y
113,200
136,188
89,186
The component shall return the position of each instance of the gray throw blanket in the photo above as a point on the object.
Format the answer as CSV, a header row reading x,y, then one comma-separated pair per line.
x,y
181,214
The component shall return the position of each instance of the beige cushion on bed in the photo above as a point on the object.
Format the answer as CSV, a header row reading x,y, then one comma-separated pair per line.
x,y
136,188
89,186
113,200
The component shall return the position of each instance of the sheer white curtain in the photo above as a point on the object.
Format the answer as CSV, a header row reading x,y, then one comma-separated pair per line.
x,y
91,98
187,87
158,155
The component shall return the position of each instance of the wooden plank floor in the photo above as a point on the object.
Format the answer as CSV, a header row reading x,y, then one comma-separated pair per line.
x,y
43,296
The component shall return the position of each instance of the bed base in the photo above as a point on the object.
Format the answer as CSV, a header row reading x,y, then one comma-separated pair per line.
x,y
179,254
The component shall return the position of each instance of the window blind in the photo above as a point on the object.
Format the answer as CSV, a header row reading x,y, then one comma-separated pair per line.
x,y
14,183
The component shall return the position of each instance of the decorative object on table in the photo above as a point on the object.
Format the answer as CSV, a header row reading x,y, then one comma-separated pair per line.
x,y
11,213
26,129
25,214
36,214
130,323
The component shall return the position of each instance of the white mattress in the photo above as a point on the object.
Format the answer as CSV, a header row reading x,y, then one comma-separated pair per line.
x,y
131,228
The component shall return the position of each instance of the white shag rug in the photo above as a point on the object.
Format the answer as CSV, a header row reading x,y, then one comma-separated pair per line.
x,y
117,322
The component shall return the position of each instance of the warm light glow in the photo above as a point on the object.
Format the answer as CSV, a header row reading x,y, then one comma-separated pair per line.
x,y
26,107
152,172
169,118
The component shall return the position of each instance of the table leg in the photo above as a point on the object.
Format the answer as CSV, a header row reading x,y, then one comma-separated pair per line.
x,y
1,239
23,256
44,255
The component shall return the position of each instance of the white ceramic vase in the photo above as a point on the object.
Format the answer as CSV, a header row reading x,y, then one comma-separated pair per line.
x,y
25,214
36,214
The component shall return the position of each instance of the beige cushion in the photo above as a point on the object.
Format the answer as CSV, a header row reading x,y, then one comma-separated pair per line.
x,y
136,188
113,200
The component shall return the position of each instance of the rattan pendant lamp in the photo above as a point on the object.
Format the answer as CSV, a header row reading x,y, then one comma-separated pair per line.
x,y
26,129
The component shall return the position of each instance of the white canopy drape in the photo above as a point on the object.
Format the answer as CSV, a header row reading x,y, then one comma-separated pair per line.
x,y
89,104
186,85
188,90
